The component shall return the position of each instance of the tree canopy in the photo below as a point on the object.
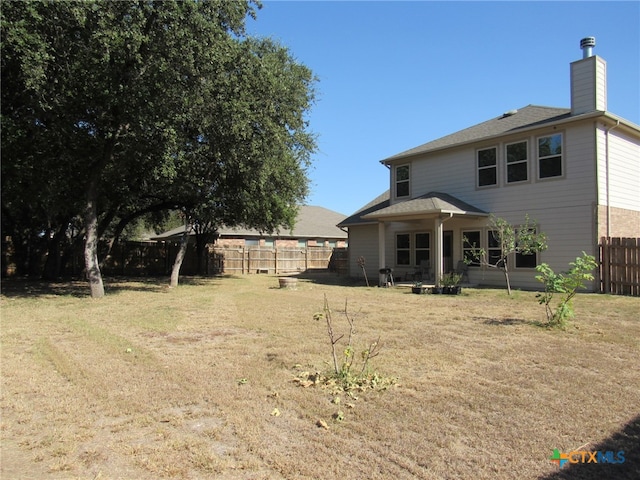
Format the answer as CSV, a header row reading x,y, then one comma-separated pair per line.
x,y
114,110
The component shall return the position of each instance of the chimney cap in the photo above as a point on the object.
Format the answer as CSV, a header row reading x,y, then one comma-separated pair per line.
x,y
588,42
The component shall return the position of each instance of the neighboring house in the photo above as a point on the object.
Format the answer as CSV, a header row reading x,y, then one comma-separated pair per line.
x,y
576,171
315,227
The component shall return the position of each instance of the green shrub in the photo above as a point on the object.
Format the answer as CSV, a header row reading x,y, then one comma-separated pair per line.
x,y
565,285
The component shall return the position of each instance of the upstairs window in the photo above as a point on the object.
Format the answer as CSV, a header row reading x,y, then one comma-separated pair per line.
x,y
517,162
550,156
402,181
487,161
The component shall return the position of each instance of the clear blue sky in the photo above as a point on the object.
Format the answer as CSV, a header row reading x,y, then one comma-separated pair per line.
x,y
393,75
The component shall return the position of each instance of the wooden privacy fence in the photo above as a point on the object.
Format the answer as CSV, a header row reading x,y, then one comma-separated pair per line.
x,y
620,266
151,258
156,258
256,259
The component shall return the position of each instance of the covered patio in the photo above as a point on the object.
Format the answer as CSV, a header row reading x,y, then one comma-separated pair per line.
x,y
435,207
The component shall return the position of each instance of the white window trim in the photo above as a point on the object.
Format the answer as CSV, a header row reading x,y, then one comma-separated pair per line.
x,y
527,161
562,157
395,181
409,249
462,237
415,248
497,167
515,255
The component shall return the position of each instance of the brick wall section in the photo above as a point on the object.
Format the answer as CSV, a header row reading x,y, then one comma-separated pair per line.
x,y
624,223
229,242
287,243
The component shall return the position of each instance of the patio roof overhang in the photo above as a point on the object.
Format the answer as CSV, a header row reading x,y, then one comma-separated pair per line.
x,y
430,205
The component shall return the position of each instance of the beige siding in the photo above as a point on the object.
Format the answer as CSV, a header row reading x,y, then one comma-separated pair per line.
x,y
568,235
363,242
454,172
588,85
619,181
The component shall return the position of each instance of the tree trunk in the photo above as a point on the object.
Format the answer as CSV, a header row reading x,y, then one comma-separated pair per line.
x,y
91,243
505,270
175,272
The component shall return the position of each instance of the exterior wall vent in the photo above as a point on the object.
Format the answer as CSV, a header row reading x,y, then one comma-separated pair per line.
x,y
587,44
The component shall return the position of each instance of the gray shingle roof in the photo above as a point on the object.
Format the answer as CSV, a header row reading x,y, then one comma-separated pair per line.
x,y
430,203
312,222
381,201
529,116
318,222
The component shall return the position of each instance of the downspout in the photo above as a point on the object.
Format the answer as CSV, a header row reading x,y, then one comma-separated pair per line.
x,y
606,167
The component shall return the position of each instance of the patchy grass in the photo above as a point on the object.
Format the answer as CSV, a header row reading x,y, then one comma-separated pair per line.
x,y
203,381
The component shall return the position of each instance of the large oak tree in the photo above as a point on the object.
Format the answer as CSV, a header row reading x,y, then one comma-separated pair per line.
x,y
113,110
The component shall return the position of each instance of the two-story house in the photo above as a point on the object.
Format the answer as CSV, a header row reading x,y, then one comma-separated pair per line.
x,y
575,171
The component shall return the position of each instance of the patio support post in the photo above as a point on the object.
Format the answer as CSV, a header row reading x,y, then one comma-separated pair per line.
x,y
438,258
381,252
438,270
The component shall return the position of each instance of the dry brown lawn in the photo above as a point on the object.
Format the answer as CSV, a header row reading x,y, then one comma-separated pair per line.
x,y
199,382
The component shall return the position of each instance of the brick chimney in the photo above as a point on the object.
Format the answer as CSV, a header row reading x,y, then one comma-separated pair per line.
x,y
588,80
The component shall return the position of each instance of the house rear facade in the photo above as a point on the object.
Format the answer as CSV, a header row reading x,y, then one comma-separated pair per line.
x,y
575,171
